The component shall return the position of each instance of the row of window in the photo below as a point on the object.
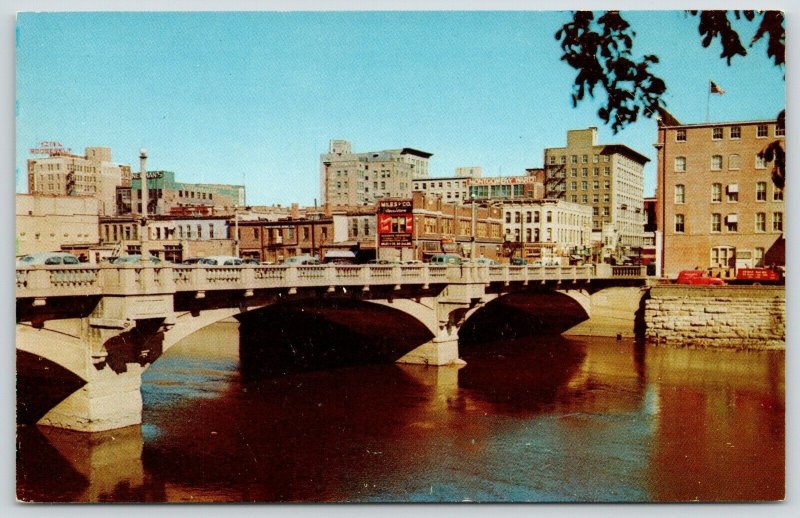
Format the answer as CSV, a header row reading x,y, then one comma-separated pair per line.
x,y
731,193
731,222
198,195
734,163
585,185
734,132
574,159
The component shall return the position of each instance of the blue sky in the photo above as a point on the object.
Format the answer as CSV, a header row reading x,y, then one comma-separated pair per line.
x,y
255,97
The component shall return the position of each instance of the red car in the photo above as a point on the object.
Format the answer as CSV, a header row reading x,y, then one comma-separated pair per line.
x,y
698,277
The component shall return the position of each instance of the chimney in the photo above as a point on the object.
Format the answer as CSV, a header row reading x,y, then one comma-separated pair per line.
x,y
294,212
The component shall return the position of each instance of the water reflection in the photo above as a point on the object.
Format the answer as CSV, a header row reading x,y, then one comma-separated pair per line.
x,y
525,420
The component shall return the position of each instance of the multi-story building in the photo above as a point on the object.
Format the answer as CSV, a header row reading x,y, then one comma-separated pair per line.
x,y
547,228
92,174
470,230
166,196
607,177
172,238
275,241
49,223
717,205
450,189
348,178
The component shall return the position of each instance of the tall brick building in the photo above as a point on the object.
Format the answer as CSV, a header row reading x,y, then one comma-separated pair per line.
x,y
717,205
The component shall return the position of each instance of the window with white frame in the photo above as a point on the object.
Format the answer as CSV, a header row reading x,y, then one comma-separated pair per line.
x,y
736,132
716,162
732,191
758,257
761,162
777,221
680,193
722,256
762,131
734,162
680,223
680,164
732,222
716,222
716,193
777,194
761,191
761,222
680,135
716,133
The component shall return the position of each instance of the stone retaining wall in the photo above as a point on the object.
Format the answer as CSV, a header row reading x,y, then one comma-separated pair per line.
x,y
741,317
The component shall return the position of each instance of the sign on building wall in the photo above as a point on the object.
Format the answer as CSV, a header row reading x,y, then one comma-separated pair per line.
x,y
50,148
395,223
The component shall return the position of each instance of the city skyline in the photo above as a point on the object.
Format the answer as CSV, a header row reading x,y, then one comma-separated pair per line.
x,y
222,97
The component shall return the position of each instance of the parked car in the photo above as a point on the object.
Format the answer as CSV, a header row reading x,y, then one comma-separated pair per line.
x,y
382,262
518,261
698,277
192,260
47,258
545,262
446,259
251,260
220,260
134,259
301,260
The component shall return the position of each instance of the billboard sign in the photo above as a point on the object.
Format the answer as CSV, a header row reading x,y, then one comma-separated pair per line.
x,y
395,224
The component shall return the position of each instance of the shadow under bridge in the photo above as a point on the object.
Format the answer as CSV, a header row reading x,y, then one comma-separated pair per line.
x,y
319,333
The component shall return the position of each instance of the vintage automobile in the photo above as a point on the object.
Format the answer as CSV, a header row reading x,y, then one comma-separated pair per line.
x,y
698,277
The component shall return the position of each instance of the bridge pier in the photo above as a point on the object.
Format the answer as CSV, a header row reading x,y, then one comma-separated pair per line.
x,y
107,401
441,350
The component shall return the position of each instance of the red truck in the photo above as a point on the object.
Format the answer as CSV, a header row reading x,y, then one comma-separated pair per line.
x,y
698,277
758,276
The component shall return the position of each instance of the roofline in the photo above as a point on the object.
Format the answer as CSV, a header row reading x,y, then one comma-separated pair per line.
x,y
720,123
412,151
625,150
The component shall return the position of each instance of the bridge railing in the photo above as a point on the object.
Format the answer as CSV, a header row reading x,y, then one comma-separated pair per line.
x,y
47,281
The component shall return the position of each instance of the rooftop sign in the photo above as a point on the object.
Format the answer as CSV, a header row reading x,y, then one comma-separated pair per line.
x,y
50,148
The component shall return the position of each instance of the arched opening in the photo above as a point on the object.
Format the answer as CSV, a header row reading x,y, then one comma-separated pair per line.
x,y
322,333
521,314
41,385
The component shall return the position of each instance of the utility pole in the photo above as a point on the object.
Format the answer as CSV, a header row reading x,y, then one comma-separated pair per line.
x,y
145,201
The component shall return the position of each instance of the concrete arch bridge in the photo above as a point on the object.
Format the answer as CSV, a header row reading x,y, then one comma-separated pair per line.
x,y
92,330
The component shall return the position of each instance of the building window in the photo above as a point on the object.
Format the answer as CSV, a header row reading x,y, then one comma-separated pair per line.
x,y
761,222
552,159
777,221
758,257
549,218
536,216
574,159
680,194
734,162
722,256
584,171
508,217
595,158
779,131
680,164
679,223
596,171
733,193
716,222
762,131
595,197
732,223
607,170
736,132
716,162
761,162
584,185
761,191
606,184
584,198
517,217
596,184
574,172
563,159
716,133
574,198
680,135
585,159
574,186
528,217
716,193
606,211
777,195
595,211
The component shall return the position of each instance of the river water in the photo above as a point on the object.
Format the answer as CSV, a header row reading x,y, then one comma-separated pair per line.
x,y
529,420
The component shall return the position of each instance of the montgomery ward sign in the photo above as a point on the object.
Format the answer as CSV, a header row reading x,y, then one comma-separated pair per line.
x,y
509,180
395,223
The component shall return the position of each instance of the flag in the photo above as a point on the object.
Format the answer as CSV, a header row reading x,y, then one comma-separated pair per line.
x,y
715,89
